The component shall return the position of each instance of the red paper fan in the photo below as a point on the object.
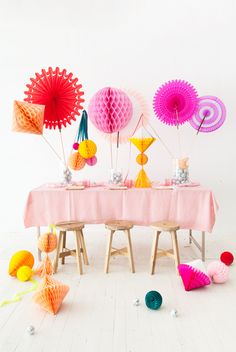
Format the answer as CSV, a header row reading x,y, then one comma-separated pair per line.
x,y
192,278
59,92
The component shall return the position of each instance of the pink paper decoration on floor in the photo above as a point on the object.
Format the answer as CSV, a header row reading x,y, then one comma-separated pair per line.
x,y
210,114
175,102
110,110
192,278
218,272
59,92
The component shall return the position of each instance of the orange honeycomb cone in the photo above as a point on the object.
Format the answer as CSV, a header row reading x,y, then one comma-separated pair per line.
x,y
28,118
142,180
50,294
142,143
45,268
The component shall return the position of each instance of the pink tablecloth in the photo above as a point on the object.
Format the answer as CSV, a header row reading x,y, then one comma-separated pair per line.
x,y
191,207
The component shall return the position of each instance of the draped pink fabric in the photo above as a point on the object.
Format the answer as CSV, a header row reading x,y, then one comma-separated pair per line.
x,y
191,207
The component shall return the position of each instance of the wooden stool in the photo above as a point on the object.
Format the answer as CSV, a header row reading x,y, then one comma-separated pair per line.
x,y
114,226
62,251
171,227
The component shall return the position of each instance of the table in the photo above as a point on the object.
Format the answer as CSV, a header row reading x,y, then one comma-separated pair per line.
x,y
193,208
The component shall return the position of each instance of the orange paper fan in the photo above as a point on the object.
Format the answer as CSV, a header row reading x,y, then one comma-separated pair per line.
x,y
28,118
50,294
45,267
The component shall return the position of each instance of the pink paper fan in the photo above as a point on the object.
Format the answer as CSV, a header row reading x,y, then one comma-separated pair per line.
x,y
175,102
110,110
210,114
192,278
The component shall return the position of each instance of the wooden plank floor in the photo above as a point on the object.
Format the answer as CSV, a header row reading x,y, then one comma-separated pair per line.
x,y
98,315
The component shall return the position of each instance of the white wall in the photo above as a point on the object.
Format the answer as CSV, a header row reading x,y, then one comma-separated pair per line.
x,y
121,43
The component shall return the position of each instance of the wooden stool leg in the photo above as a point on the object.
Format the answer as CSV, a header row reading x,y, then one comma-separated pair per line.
x,y
108,252
78,252
59,245
63,246
130,251
175,249
83,248
154,251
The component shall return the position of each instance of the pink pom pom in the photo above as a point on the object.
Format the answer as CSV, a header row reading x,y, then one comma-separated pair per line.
x,y
218,272
76,146
91,161
110,110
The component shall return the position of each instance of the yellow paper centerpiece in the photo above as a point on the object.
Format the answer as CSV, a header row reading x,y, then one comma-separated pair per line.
x,y
142,180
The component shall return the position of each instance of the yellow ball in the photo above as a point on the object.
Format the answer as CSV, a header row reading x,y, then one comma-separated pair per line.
x,y
142,159
24,273
87,149
19,259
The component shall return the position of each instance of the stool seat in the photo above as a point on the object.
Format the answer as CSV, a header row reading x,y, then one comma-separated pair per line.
x,y
80,248
165,226
118,225
69,225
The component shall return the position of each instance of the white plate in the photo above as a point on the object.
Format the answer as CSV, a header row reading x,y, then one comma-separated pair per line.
x,y
74,187
117,187
163,187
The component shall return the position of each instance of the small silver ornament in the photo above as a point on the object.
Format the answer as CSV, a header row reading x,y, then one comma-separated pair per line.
x,y
31,330
174,313
136,302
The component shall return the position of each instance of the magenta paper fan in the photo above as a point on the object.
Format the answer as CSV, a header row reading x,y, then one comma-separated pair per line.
x,y
210,114
110,110
175,102
192,278
59,92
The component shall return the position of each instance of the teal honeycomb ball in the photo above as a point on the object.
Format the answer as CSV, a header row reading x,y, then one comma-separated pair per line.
x,y
153,300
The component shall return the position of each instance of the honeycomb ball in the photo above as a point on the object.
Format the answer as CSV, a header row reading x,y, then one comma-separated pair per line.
x,y
47,242
218,272
227,258
19,259
153,300
76,146
24,273
87,149
76,161
110,110
91,161
142,159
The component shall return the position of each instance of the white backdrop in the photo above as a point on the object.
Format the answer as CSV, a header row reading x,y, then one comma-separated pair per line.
x,y
137,44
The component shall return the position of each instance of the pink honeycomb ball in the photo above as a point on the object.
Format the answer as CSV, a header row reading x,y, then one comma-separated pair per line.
x,y
218,272
91,161
110,110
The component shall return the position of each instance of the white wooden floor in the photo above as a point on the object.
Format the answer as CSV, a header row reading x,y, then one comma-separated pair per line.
x,y
98,314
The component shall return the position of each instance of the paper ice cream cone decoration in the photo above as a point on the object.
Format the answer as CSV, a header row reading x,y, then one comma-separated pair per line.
x,y
192,277
142,180
47,243
27,118
50,294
